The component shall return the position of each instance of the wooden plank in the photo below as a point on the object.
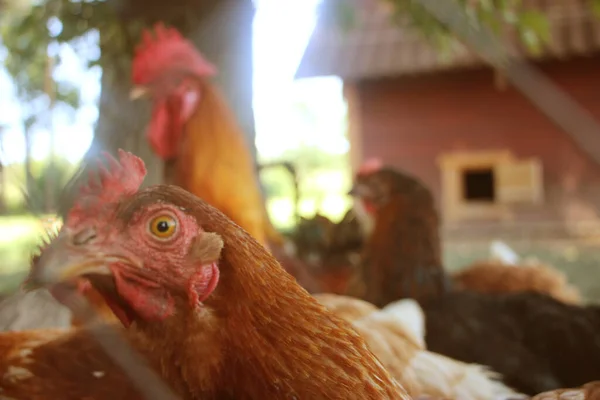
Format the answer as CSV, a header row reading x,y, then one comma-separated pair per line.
x,y
355,134
519,182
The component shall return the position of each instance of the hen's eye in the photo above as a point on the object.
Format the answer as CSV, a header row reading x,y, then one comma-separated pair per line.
x,y
163,226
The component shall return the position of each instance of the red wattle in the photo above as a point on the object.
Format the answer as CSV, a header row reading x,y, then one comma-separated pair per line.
x,y
169,117
202,284
369,207
149,300
158,132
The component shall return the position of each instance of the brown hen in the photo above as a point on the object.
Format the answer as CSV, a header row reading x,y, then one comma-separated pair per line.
x,y
214,312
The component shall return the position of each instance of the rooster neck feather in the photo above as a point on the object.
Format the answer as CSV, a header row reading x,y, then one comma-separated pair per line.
x,y
215,163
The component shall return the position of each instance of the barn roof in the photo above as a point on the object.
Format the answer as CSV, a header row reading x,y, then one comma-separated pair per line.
x,y
374,47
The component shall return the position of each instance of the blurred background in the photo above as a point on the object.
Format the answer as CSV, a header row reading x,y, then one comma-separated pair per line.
x,y
320,86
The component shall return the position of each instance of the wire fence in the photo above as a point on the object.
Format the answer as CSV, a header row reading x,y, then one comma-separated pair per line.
x,y
550,100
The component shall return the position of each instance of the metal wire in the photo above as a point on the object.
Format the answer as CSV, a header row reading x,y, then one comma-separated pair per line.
x,y
553,102
148,383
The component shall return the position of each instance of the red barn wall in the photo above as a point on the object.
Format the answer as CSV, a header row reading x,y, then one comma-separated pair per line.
x,y
409,122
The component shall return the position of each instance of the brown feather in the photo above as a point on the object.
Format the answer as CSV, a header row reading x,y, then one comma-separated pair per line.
x,y
589,391
59,364
268,338
495,277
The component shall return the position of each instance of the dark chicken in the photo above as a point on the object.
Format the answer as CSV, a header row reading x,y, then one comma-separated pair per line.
x,y
536,342
403,249
327,255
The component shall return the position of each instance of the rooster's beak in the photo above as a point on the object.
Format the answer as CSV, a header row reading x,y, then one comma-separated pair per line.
x,y
138,92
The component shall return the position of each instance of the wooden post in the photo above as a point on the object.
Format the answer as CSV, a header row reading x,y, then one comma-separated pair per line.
x,y
355,134
224,37
50,175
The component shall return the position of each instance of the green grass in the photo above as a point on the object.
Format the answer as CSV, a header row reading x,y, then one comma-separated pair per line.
x,y
19,236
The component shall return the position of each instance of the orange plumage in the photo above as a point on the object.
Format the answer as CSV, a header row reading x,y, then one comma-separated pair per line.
x,y
345,307
495,277
59,364
214,163
589,391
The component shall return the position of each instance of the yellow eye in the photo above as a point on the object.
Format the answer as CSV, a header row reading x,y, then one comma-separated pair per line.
x,y
163,226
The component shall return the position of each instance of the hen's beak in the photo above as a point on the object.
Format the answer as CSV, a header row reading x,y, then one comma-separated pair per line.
x,y
61,261
138,92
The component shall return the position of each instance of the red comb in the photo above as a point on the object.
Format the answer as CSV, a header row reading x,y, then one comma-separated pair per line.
x,y
370,166
112,181
165,51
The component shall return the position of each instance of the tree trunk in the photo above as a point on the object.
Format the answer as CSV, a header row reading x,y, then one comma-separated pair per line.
x,y
50,180
29,180
222,30
3,206
2,190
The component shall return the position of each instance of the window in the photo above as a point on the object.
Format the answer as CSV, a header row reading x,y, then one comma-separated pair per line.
x,y
487,184
478,185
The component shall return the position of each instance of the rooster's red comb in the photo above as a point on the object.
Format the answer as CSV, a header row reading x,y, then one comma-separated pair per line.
x,y
370,166
110,183
165,51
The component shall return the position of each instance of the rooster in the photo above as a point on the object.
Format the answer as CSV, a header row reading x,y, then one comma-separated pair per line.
x,y
193,130
396,333
534,341
212,310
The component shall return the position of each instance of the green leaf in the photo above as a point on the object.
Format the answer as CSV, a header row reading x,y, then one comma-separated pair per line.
x,y
595,5
338,13
535,21
534,30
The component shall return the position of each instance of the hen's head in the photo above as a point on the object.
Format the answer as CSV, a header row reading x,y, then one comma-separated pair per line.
x,y
376,185
144,251
168,68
